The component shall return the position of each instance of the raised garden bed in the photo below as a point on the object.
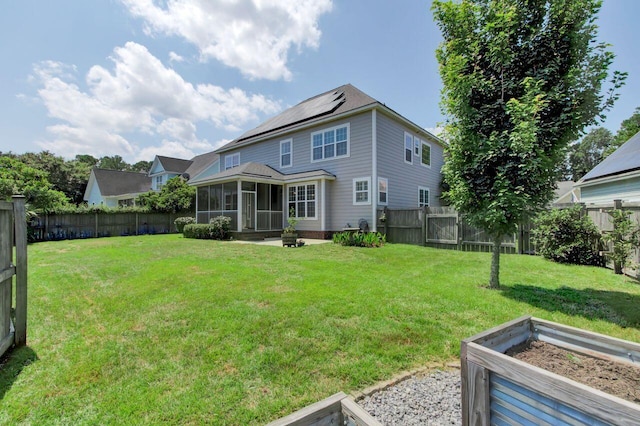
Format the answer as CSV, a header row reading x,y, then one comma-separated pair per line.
x,y
501,389
338,409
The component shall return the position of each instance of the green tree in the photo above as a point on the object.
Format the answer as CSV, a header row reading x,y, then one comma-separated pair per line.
x,y
115,162
521,80
587,153
89,160
18,178
141,166
176,196
69,177
628,128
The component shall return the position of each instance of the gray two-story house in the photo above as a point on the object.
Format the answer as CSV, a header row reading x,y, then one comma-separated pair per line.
x,y
332,160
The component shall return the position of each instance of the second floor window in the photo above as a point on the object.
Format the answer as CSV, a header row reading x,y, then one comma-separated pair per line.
x,y
285,153
231,161
158,183
330,143
408,148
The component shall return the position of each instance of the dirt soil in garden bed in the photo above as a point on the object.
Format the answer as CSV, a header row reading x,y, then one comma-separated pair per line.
x,y
615,378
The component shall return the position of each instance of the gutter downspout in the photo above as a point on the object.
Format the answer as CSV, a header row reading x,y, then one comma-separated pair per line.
x,y
374,170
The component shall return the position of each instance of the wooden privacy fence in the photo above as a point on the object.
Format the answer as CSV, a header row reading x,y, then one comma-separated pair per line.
x,y
443,227
100,224
13,230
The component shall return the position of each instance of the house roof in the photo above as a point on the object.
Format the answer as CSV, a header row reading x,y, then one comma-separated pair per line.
x,y
175,165
199,163
622,160
328,104
259,171
116,182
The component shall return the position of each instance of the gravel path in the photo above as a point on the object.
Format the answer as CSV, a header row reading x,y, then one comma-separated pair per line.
x,y
423,399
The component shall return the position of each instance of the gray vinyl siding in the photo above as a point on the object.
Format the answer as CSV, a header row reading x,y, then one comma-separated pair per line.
x,y
404,179
606,192
339,193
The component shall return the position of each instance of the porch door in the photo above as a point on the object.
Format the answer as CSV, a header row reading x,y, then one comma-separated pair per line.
x,y
248,210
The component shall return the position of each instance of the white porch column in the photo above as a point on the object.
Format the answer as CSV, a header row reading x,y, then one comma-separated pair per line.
x,y
323,208
239,211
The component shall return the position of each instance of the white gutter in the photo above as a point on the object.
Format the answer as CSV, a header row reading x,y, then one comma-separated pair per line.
x,y
374,169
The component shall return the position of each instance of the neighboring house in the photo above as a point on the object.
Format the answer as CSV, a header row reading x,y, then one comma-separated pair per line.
x,y
333,160
115,188
165,168
565,193
617,177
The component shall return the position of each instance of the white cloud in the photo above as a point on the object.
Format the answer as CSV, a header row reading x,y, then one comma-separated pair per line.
x,y
139,96
254,36
174,57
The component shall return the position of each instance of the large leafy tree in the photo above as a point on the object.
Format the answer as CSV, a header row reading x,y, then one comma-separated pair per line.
x,y
588,152
176,196
19,178
69,177
115,162
521,80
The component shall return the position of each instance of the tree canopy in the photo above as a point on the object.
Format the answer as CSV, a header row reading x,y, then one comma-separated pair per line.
x,y
175,196
19,178
588,152
521,80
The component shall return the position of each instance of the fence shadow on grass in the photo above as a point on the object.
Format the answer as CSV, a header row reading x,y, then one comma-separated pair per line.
x,y
616,307
12,364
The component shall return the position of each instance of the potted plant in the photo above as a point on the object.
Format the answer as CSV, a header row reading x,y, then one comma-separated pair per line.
x,y
289,234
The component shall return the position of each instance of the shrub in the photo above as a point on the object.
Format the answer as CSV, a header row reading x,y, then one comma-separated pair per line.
x,y
359,239
567,236
216,229
180,222
221,225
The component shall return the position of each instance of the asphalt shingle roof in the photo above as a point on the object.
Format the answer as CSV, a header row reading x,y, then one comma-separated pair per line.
x,y
115,182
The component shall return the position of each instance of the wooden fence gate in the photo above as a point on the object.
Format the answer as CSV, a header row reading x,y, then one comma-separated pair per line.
x,y
13,231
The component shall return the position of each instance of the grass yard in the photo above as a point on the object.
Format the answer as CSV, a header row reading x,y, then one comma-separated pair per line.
x,y
162,329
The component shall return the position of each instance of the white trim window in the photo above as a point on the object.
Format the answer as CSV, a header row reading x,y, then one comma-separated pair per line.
x,y
416,146
423,196
330,143
158,183
303,200
425,156
408,148
286,153
231,161
383,191
362,191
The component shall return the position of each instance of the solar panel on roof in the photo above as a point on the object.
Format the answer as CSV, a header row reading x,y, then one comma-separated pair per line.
x,y
625,158
304,111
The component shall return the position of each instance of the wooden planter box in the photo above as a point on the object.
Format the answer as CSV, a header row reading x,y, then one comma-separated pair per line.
x,y
289,240
338,409
499,389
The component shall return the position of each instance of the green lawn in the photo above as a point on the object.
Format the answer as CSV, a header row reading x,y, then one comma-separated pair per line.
x,y
162,329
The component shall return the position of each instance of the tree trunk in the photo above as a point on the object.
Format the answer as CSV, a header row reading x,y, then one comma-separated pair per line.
x,y
495,263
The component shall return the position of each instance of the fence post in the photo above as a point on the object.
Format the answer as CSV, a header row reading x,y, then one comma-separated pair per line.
x,y
423,219
20,229
96,230
617,267
520,238
459,230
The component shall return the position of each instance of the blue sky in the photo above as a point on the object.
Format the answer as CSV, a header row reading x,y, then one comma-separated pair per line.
x,y
138,78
